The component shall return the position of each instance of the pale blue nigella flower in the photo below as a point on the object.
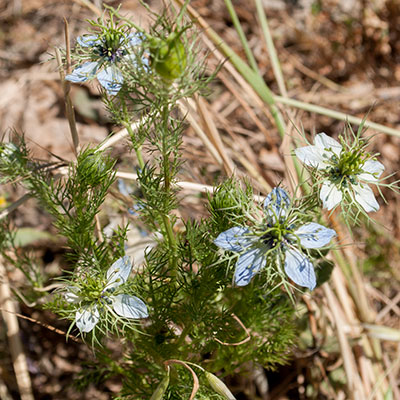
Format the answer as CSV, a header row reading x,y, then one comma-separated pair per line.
x,y
105,62
346,172
122,304
280,237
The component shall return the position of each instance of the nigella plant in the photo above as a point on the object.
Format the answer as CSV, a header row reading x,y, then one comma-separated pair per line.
x,y
105,54
345,170
95,297
279,243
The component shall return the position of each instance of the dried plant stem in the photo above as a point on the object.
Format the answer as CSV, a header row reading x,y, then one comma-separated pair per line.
x,y
195,187
17,352
196,383
14,205
122,134
69,108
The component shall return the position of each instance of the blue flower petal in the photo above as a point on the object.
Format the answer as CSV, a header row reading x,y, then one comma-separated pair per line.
x,y
136,38
129,306
313,235
123,188
299,269
234,239
249,263
277,202
111,79
119,272
83,72
88,40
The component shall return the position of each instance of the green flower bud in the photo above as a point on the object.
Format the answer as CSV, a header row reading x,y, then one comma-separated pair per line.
x,y
10,153
219,386
168,57
92,168
161,389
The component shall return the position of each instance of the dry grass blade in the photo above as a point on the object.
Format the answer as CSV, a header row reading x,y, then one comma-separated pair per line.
x,y
354,384
213,134
89,5
188,111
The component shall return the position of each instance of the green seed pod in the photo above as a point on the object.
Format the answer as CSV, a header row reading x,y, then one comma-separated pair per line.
x,y
161,389
168,57
219,386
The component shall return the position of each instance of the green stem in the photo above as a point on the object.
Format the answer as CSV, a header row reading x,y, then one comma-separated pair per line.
x,y
336,115
170,235
137,147
241,34
276,66
138,151
182,336
167,187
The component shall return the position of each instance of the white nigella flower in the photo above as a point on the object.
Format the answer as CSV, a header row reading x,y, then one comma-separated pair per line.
x,y
346,172
95,300
107,53
280,237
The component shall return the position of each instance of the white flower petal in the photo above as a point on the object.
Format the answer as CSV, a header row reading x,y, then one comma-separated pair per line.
x,y
311,156
83,72
86,319
330,195
88,40
299,269
372,171
248,265
313,235
129,306
71,296
119,272
234,239
111,79
328,145
276,203
365,197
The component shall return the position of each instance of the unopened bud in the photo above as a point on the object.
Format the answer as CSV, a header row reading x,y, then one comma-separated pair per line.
x,y
169,57
161,389
219,386
91,168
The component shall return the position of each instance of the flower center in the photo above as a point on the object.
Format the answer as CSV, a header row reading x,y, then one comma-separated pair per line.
x,y
345,168
274,235
110,47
